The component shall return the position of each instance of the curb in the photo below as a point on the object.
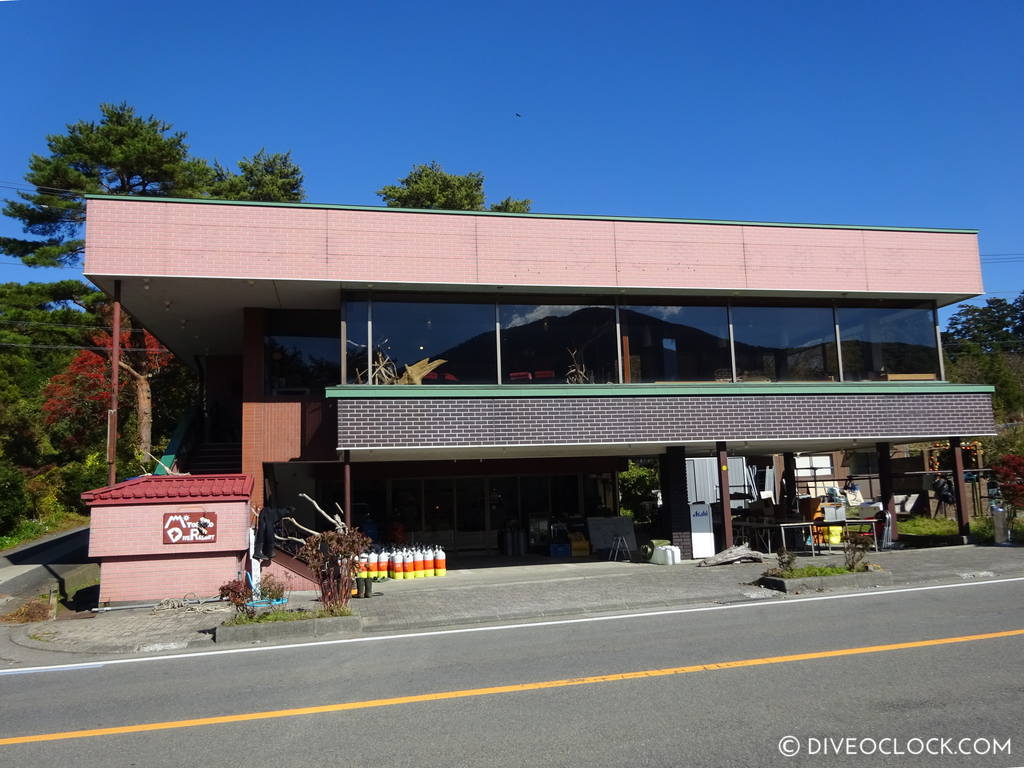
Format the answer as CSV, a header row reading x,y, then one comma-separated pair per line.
x,y
866,580
301,629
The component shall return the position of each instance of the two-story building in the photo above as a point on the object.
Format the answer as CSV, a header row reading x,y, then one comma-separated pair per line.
x,y
555,347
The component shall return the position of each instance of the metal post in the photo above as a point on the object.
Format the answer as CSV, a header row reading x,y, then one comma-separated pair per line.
x,y
115,369
839,342
370,352
938,342
497,338
343,341
618,341
963,517
732,342
346,459
723,491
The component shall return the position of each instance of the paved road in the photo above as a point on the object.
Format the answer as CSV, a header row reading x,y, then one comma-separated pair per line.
x,y
706,716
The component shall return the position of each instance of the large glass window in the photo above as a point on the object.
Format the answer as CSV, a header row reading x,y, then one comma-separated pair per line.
x,y
301,352
406,333
356,342
785,343
572,341
666,343
406,509
558,344
881,343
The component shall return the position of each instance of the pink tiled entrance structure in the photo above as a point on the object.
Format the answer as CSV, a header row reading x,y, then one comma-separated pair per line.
x,y
129,528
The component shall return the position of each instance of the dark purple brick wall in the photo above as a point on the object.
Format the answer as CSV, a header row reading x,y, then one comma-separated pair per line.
x,y
425,422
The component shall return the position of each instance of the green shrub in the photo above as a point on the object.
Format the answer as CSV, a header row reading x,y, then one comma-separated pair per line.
x,y
12,496
280,614
637,486
808,571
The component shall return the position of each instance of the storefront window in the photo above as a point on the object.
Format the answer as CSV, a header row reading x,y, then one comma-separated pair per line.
x,y
503,502
438,503
599,495
536,509
406,510
881,343
469,504
558,344
667,343
406,333
785,344
301,352
356,342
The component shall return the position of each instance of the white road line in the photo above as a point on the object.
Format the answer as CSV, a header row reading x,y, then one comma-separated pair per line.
x,y
507,627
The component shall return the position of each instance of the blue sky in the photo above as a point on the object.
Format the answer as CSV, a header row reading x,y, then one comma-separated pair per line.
x,y
902,113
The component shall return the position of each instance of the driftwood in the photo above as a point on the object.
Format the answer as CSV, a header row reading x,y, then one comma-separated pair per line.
x,y
384,371
336,521
737,554
414,372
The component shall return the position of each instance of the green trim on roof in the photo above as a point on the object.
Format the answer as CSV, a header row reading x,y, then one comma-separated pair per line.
x,y
363,391
573,216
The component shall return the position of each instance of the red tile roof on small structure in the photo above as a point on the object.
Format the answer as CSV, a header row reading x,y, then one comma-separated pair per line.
x,y
166,489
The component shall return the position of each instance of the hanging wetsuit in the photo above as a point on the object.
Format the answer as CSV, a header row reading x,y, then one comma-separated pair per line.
x,y
264,547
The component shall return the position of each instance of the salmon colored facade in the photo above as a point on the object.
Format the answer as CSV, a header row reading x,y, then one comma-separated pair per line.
x,y
221,282
138,563
128,237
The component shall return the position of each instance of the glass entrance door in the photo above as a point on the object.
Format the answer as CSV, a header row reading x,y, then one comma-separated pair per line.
x,y
471,525
537,510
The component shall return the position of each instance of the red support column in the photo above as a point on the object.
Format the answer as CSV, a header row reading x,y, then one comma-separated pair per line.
x,y
963,516
885,484
115,370
723,491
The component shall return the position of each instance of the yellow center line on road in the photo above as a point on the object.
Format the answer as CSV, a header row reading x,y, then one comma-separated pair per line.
x,y
514,688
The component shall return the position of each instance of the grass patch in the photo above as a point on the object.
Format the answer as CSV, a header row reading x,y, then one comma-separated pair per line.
x,y
34,610
927,526
280,614
810,571
30,530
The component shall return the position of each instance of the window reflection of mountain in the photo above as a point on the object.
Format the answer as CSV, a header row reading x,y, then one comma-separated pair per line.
x,y
541,351
694,348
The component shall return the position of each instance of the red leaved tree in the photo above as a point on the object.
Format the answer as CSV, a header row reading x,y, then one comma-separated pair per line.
x,y
1009,473
76,400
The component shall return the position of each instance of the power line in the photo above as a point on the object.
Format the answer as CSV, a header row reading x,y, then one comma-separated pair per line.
x,y
70,325
95,349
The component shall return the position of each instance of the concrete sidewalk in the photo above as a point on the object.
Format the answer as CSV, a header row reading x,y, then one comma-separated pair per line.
x,y
487,595
59,560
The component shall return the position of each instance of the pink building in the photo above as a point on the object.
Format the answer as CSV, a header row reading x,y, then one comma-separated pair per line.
x,y
568,343
169,536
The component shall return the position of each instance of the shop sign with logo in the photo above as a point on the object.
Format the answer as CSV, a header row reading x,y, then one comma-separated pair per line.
x,y
190,525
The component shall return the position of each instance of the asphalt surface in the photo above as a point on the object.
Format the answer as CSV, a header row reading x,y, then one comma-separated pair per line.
x,y
708,717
